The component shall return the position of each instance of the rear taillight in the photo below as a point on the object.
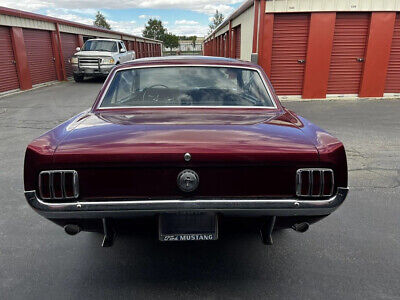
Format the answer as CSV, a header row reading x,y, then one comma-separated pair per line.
x,y
58,184
314,182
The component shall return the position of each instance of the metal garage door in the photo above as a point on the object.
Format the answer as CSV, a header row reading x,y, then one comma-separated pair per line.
x,y
40,55
220,41
140,49
69,42
8,72
393,72
289,50
237,41
222,46
347,61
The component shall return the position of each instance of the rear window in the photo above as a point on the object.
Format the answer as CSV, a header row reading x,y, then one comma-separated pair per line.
x,y
187,86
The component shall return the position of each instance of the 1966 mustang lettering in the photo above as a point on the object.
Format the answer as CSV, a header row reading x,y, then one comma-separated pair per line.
x,y
189,237
190,142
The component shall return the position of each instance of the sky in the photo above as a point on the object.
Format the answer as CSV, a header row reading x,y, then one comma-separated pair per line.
x,y
181,17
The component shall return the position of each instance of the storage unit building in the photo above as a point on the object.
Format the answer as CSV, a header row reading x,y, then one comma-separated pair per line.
x,y
36,49
316,48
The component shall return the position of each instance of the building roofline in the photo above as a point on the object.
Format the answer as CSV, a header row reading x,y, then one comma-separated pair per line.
x,y
28,15
246,5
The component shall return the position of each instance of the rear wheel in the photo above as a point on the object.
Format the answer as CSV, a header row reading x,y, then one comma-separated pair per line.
x,y
78,77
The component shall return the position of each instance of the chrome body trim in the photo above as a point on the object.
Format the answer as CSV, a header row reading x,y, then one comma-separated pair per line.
x,y
278,207
269,92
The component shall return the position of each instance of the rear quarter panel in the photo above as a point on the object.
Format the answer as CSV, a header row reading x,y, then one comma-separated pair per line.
x,y
39,153
331,151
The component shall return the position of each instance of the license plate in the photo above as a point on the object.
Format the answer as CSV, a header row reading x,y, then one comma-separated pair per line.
x,y
188,227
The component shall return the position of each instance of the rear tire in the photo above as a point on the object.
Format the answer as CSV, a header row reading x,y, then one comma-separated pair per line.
x,y
78,78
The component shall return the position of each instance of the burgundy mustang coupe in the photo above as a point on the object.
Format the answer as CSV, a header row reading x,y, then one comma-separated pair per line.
x,y
188,141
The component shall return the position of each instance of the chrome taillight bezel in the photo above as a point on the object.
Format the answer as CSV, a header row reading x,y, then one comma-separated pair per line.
x,y
51,173
322,182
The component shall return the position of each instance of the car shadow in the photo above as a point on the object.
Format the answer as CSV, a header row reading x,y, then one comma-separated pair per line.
x,y
92,80
137,257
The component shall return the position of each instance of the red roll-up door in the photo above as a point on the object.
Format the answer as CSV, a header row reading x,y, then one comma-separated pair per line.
x,y
142,49
393,72
69,42
347,61
134,48
8,72
289,51
139,50
40,55
237,33
221,46
217,48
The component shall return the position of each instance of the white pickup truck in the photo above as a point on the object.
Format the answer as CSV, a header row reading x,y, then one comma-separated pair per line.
x,y
98,56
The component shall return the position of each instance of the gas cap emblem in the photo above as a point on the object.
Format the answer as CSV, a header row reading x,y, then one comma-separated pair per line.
x,y
188,181
187,156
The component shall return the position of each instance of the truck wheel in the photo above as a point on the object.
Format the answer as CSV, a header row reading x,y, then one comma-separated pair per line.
x,y
78,78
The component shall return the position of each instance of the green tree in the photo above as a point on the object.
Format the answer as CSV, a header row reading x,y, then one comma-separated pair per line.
x,y
171,41
154,30
101,21
216,21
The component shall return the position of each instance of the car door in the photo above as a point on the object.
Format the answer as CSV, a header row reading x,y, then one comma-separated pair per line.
x,y
124,55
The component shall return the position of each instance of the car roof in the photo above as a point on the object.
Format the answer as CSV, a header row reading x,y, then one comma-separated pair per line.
x,y
187,60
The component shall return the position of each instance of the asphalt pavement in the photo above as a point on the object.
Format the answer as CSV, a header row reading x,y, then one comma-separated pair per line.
x,y
352,254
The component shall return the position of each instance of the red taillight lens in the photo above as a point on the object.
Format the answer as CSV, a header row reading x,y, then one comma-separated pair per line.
x,y
328,183
58,184
314,182
44,185
305,183
70,185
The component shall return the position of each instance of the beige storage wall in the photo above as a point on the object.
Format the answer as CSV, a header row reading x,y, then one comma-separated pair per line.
x,y
246,22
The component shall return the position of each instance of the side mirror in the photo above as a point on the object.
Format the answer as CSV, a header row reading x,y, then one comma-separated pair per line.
x,y
122,50
78,49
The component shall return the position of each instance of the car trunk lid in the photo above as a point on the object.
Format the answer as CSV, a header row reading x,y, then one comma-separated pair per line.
x,y
242,153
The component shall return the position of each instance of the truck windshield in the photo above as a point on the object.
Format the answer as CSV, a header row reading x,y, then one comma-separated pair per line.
x,y
94,45
187,86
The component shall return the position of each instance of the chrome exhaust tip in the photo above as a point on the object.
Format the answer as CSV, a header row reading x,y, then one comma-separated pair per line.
x,y
301,227
72,229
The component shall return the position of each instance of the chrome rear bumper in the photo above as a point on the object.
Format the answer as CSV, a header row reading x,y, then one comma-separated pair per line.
x,y
262,207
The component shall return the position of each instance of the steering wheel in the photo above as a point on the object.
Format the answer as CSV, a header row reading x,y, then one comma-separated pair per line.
x,y
150,87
